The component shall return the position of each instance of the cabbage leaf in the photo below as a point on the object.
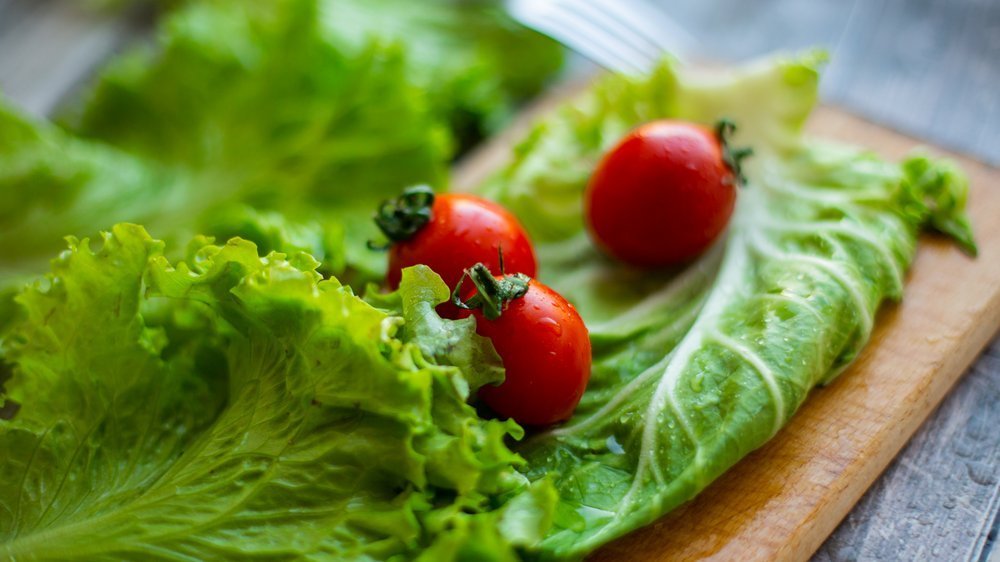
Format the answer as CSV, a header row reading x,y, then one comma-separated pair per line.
x,y
694,368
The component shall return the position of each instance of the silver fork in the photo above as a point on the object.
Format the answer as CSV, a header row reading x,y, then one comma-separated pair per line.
x,y
628,36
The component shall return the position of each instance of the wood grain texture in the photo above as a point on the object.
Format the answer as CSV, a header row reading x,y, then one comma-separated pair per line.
x,y
939,498
782,501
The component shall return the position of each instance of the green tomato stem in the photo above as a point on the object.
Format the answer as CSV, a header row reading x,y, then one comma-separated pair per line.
x,y
492,294
400,218
732,157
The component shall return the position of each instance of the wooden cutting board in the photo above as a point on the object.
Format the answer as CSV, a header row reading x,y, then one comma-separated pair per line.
x,y
782,501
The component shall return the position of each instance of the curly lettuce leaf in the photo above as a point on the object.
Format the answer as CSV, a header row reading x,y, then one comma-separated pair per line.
x,y
257,96
469,61
234,406
246,122
453,342
313,108
470,58
257,119
695,368
52,184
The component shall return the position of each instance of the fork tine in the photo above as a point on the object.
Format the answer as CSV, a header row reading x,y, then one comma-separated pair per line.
x,y
606,39
551,18
580,33
653,24
644,52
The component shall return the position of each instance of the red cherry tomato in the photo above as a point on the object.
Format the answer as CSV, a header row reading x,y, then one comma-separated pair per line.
x,y
545,349
463,230
664,193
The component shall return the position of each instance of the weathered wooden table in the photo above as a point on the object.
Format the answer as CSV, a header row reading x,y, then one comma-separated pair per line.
x,y
930,68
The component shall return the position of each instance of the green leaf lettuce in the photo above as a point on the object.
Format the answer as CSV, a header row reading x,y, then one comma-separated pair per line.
x,y
283,122
299,421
